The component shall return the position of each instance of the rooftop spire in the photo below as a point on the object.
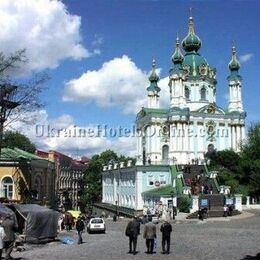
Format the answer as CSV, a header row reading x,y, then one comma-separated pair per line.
x,y
191,42
234,64
153,78
177,56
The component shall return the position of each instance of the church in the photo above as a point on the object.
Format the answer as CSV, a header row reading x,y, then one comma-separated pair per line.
x,y
173,138
193,124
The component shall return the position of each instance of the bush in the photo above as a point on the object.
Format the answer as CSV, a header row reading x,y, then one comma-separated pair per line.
x,y
184,204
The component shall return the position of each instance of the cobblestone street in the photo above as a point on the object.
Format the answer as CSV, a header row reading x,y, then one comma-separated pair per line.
x,y
220,239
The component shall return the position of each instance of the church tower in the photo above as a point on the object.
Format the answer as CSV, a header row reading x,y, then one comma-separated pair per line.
x,y
177,94
234,79
153,90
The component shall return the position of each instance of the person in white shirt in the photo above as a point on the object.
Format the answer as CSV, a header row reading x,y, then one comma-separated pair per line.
x,y
2,235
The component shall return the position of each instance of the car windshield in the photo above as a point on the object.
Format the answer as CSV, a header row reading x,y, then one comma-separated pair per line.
x,y
96,220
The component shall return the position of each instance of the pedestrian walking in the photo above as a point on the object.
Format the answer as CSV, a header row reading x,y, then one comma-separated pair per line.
x,y
132,231
2,235
149,235
80,227
225,209
166,229
9,239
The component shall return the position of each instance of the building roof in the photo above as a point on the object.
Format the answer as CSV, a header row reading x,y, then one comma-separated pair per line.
x,y
16,153
166,190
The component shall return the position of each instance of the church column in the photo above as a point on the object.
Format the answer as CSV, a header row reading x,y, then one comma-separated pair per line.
x,y
243,134
185,141
233,137
238,128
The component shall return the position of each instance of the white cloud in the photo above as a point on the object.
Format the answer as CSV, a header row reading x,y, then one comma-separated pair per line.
x,y
245,58
45,28
63,135
119,82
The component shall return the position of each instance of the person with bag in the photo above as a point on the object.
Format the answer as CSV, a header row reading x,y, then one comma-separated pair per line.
x,y
166,229
132,231
80,227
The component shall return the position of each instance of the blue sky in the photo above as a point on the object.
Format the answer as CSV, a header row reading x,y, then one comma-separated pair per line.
x,y
126,35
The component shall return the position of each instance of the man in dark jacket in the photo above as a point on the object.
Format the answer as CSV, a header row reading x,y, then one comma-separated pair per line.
x,y
166,229
80,227
150,235
9,228
132,231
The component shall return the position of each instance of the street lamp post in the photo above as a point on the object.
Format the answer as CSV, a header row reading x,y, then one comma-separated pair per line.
x,y
6,93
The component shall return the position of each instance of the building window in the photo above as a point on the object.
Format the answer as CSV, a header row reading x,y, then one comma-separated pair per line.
x,y
187,93
8,187
162,179
150,180
203,93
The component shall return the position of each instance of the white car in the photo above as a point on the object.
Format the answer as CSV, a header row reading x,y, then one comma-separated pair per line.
x,y
96,225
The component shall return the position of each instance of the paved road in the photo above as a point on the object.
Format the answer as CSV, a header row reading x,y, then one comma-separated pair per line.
x,y
227,240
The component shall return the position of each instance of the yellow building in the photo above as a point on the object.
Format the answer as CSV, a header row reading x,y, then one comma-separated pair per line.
x,y
26,177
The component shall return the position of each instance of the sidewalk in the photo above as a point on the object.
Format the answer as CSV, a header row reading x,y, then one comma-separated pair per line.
x,y
181,218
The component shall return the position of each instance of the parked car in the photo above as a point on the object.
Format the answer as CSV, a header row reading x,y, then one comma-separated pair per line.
x,y
155,219
96,225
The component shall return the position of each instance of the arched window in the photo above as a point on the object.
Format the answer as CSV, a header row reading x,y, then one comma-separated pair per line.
x,y
203,93
165,152
187,93
8,187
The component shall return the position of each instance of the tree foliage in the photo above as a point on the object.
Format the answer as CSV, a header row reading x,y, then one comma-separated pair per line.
x,y
250,160
240,171
16,139
93,175
28,91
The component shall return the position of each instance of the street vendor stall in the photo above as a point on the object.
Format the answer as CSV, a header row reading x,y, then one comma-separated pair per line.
x,y
39,223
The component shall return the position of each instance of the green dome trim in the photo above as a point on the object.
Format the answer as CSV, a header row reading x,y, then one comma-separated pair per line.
x,y
153,78
196,66
191,43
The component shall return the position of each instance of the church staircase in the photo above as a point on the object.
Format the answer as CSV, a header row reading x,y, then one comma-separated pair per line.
x,y
195,176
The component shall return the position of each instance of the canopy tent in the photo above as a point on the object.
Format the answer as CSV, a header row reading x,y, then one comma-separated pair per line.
x,y
40,223
74,213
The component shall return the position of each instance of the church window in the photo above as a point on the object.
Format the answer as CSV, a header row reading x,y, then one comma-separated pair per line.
x,y
203,93
187,93
165,152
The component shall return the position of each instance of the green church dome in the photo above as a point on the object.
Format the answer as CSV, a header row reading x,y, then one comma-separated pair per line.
x,y
234,63
153,78
191,43
234,66
177,56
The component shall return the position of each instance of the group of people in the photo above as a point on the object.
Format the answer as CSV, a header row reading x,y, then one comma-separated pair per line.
x,y
7,236
149,234
228,210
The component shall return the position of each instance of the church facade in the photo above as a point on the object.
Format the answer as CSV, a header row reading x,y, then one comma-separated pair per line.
x,y
193,124
172,138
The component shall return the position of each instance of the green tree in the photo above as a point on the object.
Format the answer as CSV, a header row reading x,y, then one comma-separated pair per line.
x,y
16,139
250,160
